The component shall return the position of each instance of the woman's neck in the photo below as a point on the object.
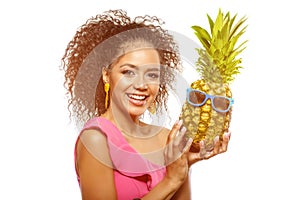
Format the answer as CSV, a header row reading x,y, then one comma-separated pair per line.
x,y
130,125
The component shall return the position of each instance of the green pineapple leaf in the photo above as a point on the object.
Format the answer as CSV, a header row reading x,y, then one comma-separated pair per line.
x,y
219,55
203,36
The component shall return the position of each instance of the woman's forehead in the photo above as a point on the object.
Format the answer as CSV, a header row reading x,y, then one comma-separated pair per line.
x,y
141,57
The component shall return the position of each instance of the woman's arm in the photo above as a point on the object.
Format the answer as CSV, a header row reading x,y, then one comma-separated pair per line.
x,y
176,159
184,192
93,167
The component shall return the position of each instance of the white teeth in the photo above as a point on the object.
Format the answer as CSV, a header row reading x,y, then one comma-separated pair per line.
x,y
137,97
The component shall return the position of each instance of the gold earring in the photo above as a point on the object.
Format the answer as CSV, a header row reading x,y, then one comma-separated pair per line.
x,y
152,108
106,89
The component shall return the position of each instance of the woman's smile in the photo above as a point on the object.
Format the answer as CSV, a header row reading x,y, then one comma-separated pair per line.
x,y
137,99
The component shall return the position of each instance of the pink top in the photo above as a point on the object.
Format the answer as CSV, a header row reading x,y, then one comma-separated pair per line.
x,y
129,165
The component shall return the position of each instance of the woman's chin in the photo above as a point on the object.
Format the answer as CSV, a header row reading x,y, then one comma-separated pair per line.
x,y
136,112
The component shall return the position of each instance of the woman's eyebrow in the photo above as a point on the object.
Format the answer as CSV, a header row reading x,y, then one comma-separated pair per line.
x,y
151,67
128,65
154,69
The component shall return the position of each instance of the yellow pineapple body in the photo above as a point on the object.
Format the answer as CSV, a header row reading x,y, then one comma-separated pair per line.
x,y
203,122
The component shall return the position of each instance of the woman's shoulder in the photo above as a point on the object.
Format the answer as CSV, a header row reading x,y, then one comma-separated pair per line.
x,y
98,125
95,122
92,134
95,142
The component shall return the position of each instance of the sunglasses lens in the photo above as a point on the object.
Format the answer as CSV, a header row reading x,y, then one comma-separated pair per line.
x,y
221,103
196,97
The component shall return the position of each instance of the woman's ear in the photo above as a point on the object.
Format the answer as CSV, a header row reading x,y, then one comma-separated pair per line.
x,y
105,75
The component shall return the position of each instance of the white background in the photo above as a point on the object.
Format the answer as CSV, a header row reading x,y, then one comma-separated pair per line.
x,y
36,144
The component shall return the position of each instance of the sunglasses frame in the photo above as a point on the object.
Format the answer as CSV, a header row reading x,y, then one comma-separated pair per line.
x,y
208,96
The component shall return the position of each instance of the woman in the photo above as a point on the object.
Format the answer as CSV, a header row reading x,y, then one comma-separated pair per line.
x,y
117,68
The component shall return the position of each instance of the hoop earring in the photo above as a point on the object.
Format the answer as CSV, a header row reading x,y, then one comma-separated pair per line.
x,y
106,89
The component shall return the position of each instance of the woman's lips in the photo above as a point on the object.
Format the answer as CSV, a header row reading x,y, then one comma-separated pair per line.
x,y
137,99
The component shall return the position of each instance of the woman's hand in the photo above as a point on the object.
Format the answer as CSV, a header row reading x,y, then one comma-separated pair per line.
x,y
219,147
176,154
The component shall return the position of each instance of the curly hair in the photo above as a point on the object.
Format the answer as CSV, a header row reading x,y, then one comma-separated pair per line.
x,y
98,43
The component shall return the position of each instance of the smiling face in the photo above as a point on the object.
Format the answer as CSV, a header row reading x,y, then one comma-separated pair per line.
x,y
134,81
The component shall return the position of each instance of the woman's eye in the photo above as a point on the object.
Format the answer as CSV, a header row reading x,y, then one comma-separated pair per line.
x,y
153,75
128,73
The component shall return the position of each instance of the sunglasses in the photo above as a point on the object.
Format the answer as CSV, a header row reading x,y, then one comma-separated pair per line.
x,y
219,103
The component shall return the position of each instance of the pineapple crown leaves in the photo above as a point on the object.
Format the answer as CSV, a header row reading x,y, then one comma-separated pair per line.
x,y
219,55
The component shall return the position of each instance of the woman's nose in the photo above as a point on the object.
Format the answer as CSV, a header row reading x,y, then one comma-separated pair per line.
x,y
140,83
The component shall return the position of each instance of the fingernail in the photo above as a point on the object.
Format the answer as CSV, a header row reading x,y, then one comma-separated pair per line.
x,y
180,122
226,136
216,139
229,135
187,146
183,129
201,143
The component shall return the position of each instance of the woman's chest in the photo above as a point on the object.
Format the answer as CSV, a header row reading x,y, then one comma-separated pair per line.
x,y
151,148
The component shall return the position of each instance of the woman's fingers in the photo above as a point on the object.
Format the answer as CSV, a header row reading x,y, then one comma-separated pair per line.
x,y
226,138
202,151
169,148
177,145
220,146
216,149
174,131
187,146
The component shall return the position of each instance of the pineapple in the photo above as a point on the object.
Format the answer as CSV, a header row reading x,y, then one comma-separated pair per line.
x,y
217,64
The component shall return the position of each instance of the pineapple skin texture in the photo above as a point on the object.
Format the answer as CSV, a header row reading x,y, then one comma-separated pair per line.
x,y
203,122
